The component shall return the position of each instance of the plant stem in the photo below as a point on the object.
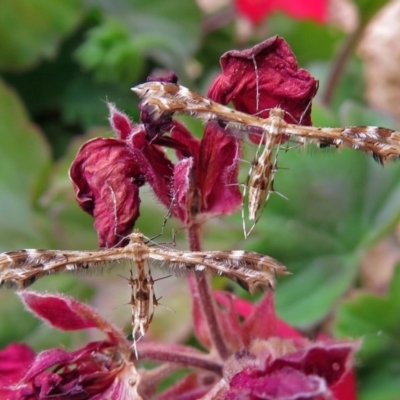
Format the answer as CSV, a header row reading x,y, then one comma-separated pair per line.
x,y
151,351
339,65
201,290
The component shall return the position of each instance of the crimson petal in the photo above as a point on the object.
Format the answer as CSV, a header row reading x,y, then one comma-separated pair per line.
x,y
217,171
257,10
106,180
263,77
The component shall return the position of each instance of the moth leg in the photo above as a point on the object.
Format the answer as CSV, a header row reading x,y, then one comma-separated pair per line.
x,y
133,282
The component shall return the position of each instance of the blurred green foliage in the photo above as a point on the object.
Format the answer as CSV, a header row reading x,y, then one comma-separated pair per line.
x,y
376,320
61,61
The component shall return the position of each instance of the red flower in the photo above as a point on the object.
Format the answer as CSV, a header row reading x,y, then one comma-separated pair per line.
x,y
257,10
103,369
263,77
275,362
15,359
107,175
269,359
206,182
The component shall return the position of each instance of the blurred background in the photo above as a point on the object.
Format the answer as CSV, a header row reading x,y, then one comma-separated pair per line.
x,y
60,62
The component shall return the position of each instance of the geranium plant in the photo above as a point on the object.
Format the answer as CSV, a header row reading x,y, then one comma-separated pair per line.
x,y
248,352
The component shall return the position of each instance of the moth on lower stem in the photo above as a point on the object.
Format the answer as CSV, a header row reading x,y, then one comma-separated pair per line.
x,y
143,302
250,270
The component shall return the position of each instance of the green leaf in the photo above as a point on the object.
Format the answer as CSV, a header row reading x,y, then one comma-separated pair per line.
x,y
84,102
380,380
25,184
24,162
31,30
111,54
376,320
350,85
368,314
368,8
353,113
308,40
73,228
154,31
339,204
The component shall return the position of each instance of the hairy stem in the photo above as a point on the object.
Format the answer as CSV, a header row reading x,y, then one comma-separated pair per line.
x,y
201,290
150,351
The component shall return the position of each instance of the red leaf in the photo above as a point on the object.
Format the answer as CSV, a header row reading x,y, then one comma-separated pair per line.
x,y
67,314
